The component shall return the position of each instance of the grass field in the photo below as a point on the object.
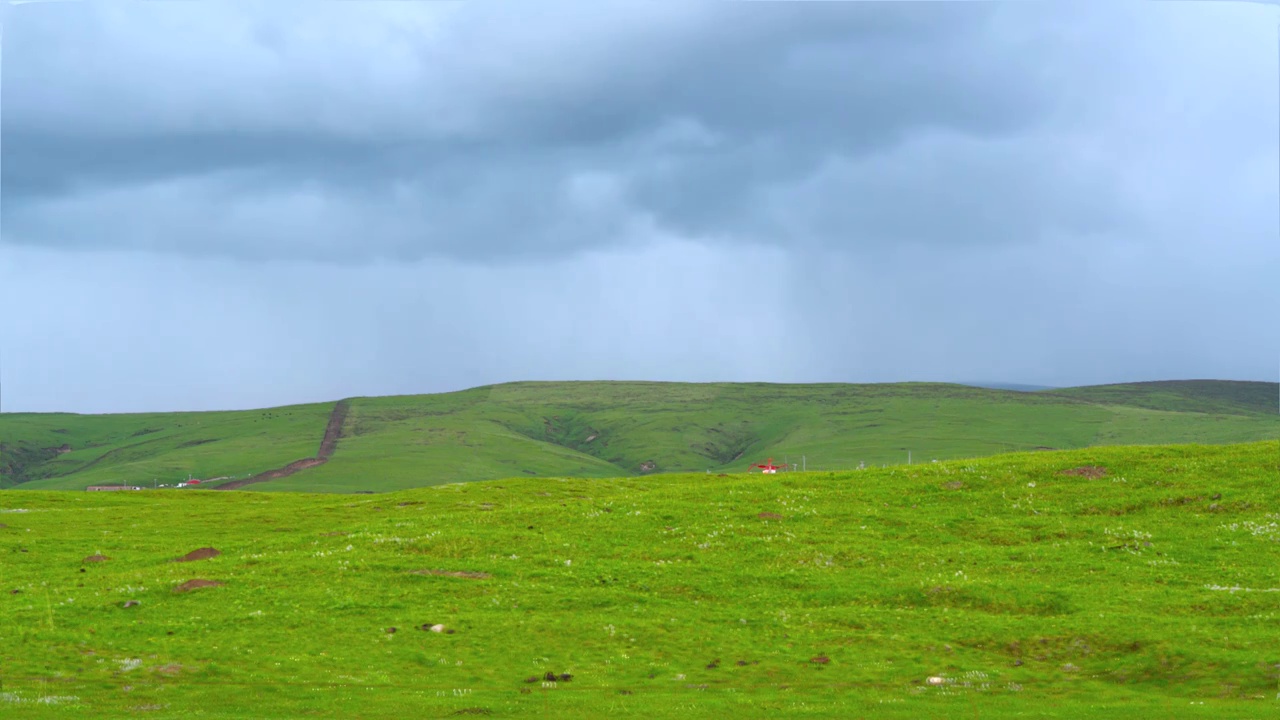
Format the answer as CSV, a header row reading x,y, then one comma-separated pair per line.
x,y
162,447
590,429
1147,589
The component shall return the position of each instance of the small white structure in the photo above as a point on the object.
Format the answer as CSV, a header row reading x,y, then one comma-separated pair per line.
x,y
768,468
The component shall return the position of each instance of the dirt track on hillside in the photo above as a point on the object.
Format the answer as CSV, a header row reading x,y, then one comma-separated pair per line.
x,y
332,433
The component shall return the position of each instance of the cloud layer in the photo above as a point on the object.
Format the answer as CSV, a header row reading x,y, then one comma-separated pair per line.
x,y
1009,191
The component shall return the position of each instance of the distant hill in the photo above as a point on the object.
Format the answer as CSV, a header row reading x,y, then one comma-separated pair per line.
x,y
1198,396
1010,386
612,429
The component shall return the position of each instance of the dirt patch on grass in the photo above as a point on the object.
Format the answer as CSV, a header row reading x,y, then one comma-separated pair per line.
x,y
332,433
201,554
1092,472
96,558
453,573
196,584
954,485
769,516
335,534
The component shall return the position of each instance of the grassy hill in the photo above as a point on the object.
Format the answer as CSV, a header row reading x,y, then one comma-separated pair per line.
x,y
607,429
1119,582
65,451
1197,396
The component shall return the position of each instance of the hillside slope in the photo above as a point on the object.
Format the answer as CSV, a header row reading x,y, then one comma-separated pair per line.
x,y
1199,396
65,451
1141,586
605,429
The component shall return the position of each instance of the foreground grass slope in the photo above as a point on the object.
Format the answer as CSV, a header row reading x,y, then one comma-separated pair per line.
x,y
604,429
1144,589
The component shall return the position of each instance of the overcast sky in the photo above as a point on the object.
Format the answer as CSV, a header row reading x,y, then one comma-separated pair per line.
x,y
233,204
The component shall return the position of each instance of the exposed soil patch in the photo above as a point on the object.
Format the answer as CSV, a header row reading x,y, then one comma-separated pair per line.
x,y
196,584
820,660
96,558
453,573
332,433
1093,472
194,443
201,554
336,534
954,485
769,516
170,670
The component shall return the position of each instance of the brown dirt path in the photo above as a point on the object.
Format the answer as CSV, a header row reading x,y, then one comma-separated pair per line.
x,y
332,433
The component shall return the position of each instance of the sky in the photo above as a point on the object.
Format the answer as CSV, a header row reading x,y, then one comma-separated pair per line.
x,y
244,204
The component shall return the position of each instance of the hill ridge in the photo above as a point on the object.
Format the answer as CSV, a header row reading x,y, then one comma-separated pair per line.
x,y
613,428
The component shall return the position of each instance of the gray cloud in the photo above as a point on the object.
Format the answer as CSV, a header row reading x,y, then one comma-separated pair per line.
x,y
490,134
240,204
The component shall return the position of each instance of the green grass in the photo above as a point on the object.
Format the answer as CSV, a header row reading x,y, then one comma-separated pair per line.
x,y
1034,594
164,447
1199,396
606,429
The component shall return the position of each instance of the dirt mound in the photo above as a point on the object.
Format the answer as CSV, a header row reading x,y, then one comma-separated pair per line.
x,y
769,516
196,584
201,554
96,558
954,485
453,573
1093,472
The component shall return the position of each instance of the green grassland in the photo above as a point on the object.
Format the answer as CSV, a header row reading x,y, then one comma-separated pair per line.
x,y
1145,590
607,429
146,447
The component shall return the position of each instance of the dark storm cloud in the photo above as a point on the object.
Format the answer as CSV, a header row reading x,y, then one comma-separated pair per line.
x,y
236,204
523,132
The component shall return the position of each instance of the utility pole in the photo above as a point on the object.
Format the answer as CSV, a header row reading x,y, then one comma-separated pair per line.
x,y
803,465
908,457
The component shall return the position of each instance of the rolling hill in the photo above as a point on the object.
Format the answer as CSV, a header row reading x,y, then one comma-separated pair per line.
x,y
1119,582
610,429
